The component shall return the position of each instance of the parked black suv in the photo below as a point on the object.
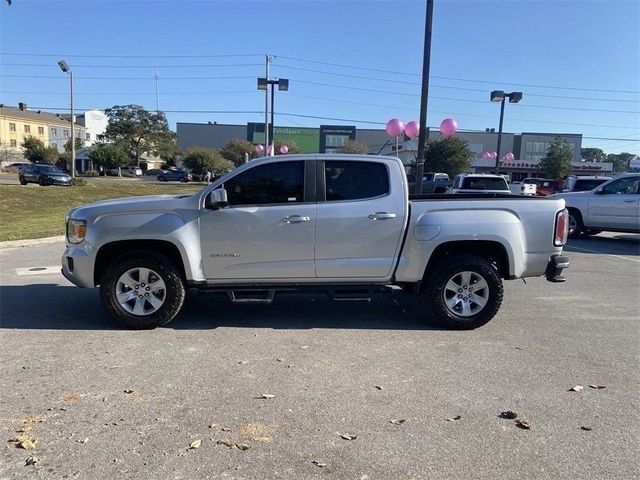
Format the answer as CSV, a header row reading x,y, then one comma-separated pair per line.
x,y
43,175
175,175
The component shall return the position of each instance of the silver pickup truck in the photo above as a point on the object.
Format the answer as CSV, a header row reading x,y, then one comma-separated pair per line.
x,y
343,224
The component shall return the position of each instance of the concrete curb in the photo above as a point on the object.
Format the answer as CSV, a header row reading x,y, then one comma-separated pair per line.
x,y
29,242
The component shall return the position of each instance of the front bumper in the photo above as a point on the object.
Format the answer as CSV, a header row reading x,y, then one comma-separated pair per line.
x,y
77,265
556,264
59,181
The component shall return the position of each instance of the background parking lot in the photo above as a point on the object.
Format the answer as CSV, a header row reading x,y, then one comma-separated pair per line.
x,y
333,369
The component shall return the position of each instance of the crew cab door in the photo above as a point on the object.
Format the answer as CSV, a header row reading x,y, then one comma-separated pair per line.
x,y
268,229
615,205
361,218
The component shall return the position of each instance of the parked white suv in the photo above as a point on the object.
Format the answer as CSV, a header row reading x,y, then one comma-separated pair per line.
x,y
479,183
614,206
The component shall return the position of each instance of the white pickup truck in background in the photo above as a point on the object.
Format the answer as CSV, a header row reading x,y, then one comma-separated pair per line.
x,y
343,224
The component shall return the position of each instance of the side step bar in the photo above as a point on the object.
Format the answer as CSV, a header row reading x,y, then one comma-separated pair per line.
x,y
251,296
350,295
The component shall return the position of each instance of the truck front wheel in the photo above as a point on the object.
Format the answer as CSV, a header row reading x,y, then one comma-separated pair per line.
x,y
142,290
464,292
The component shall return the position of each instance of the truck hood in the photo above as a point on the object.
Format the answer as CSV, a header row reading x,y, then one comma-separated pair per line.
x,y
151,203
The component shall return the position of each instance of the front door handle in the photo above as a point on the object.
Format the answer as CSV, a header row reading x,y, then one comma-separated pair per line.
x,y
381,216
629,201
295,219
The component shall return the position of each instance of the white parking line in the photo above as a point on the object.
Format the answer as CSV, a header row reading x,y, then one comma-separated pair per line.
x,y
38,270
603,253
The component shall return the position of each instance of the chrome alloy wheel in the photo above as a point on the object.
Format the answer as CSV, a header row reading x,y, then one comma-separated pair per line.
x,y
466,294
140,291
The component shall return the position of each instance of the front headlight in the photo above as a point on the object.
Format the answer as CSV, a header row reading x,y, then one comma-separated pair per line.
x,y
76,230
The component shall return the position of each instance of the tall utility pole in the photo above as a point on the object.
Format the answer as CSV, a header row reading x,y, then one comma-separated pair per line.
x,y
73,137
157,96
426,61
266,106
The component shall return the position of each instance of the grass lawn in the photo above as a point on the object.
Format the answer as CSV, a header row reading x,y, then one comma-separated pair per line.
x,y
32,211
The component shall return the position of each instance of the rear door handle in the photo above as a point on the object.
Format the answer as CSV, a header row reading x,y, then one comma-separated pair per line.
x,y
381,216
629,201
295,219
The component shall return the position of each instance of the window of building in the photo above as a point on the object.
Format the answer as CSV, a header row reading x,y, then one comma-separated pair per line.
x,y
54,132
336,140
12,127
281,182
13,143
40,130
87,136
65,133
355,180
27,129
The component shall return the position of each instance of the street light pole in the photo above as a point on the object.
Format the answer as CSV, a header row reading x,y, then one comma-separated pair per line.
x,y
426,61
266,107
273,125
500,134
65,68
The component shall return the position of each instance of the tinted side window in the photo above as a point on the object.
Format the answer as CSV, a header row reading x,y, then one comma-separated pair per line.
x,y
280,182
479,183
623,186
355,180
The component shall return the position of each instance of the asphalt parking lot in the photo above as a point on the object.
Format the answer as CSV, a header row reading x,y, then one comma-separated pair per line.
x,y
104,402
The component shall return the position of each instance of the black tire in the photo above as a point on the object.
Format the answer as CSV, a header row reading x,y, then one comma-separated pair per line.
x,y
435,291
42,182
576,226
22,181
165,269
183,179
162,179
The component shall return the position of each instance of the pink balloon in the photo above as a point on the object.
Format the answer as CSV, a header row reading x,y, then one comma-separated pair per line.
x,y
486,155
395,127
494,155
284,149
412,129
509,157
259,148
448,127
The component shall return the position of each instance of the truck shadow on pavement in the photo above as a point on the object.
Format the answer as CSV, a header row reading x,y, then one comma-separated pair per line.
x,y
621,244
55,307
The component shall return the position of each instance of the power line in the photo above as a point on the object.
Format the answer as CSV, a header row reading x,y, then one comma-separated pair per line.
x,y
133,56
218,65
492,82
58,77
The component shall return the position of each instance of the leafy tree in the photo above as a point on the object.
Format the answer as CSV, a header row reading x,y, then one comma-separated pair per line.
x,y
557,163
293,147
67,147
137,131
235,149
109,156
450,155
353,146
36,152
200,159
592,154
620,161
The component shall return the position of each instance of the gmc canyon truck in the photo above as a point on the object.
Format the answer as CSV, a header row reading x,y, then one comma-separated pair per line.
x,y
342,224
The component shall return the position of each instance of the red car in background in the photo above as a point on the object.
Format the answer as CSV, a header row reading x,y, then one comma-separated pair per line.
x,y
545,186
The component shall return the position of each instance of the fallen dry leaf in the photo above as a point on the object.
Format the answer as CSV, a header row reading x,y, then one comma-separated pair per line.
x,y
84,440
508,414
377,387
319,464
454,419
588,429
597,387
225,429
280,359
348,437
577,388
524,424
196,443
267,395
243,446
128,391
31,460
397,422
24,440
71,397
25,429
33,419
227,442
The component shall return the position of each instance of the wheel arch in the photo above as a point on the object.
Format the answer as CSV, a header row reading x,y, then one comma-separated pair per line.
x,y
111,250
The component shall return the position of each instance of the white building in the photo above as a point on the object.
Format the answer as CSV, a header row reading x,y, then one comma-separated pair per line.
x,y
95,122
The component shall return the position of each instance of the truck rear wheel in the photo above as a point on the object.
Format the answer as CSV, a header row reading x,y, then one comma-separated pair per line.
x,y
464,292
142,290
576,226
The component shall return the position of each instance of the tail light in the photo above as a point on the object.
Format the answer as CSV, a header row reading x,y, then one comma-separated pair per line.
x,y
562,228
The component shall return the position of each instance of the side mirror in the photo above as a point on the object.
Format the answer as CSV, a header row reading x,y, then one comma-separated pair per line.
x,y
217,199
599,192
441,189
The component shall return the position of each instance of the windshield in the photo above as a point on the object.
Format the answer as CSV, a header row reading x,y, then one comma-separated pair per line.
x,y
484,183
49,169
